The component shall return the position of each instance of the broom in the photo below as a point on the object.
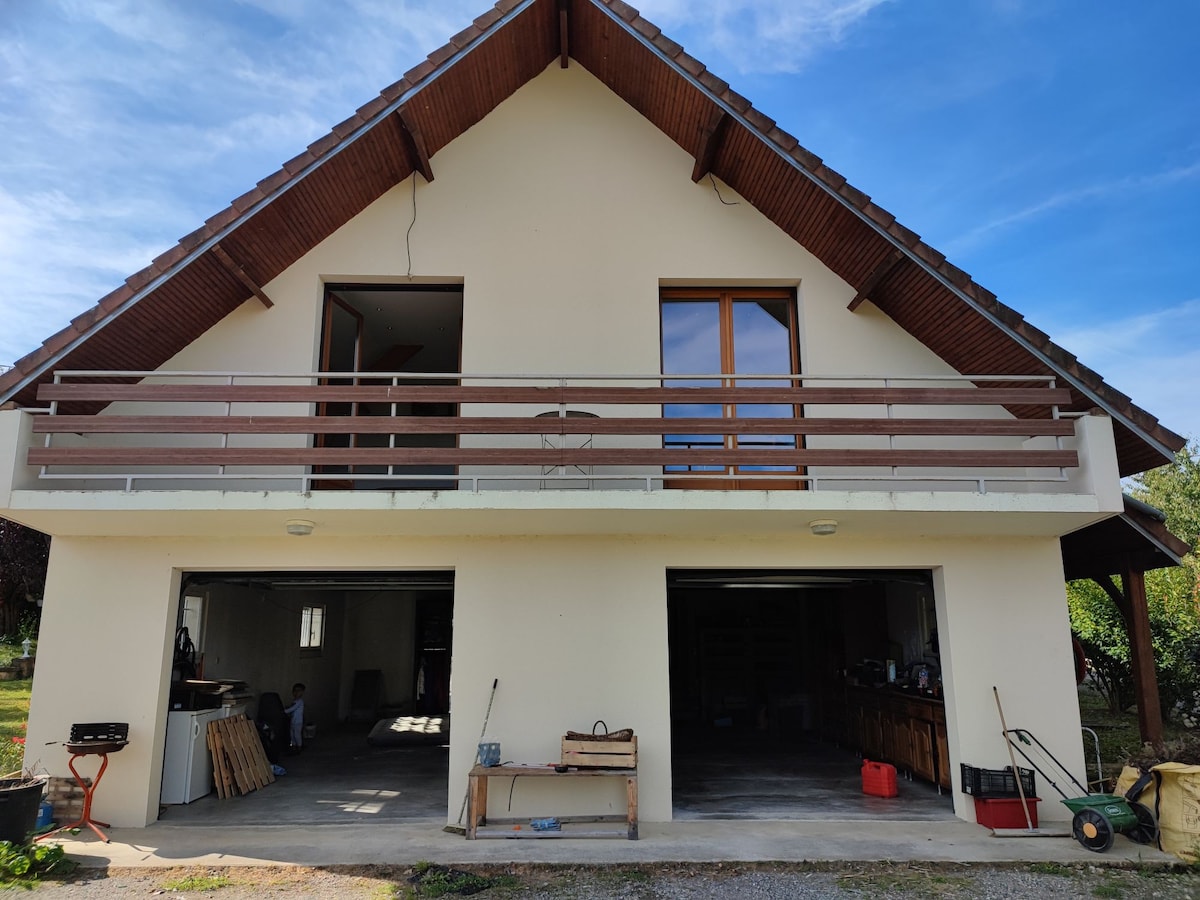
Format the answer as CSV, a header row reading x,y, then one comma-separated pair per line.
x,y
459,828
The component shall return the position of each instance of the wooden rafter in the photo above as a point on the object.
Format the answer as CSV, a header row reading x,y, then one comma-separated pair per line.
x,y
240,274
873,281
564,18
711,137
416,143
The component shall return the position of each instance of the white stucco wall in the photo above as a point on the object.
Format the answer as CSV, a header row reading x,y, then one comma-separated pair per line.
x,y
574,628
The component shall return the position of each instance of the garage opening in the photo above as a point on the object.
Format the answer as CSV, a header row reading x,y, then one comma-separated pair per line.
x,y
372,650
782,681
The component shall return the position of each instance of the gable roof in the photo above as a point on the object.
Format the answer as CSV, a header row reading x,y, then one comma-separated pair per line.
x,y
213,270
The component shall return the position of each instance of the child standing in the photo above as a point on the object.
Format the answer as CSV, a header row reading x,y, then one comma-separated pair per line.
x,y
296,711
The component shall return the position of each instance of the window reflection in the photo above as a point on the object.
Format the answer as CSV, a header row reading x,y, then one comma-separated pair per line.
x,y
728,332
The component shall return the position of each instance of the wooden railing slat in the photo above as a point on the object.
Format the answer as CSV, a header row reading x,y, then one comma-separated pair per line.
x,y
548,396
466,456
533,425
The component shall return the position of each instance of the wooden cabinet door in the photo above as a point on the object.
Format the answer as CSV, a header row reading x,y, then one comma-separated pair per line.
x,y
943,754
922,750
902,751
872,734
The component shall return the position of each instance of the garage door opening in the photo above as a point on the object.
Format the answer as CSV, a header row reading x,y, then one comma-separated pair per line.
x,y
782,681
373,652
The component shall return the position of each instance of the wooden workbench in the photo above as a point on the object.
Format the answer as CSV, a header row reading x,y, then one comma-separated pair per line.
x,y
477,793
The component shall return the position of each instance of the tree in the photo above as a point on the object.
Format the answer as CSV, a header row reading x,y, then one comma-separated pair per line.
x,y
24,554
1171,595
1175,489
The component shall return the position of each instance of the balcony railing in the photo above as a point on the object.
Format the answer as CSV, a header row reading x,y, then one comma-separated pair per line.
x,y
454,430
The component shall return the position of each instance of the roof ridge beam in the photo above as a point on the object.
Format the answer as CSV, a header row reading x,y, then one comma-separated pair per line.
x,y
712,135
416,143
564,21
239,273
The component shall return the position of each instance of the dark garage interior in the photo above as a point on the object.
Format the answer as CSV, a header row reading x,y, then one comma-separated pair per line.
x,y
783,680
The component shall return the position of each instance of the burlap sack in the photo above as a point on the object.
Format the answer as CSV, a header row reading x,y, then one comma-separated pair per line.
x,y
1174,797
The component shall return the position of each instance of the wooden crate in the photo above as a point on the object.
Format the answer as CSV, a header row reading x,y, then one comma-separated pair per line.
x,y
600,754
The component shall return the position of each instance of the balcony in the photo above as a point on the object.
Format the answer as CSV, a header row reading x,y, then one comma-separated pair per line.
x,y
133,431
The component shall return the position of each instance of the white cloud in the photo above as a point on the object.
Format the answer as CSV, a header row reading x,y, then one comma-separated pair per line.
x,y
760,35
1151,356
1072,197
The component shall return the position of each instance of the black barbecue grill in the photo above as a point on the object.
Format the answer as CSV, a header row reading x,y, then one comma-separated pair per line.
x,y
92,739
98,737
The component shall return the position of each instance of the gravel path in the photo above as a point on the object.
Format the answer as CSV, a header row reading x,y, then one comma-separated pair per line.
x,y
675,882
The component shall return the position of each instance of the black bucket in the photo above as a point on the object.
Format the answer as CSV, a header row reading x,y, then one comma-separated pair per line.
x,y
19,801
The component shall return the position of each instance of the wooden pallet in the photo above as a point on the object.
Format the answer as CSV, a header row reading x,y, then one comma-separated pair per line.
x,y
240,763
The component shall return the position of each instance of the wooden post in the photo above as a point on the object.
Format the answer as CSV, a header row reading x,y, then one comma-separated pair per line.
x,y
1141,653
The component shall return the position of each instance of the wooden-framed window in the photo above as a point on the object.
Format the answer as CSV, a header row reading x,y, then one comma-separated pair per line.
x,y
729,332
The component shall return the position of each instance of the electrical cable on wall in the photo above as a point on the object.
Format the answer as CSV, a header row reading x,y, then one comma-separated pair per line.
x,y
714,187
408,234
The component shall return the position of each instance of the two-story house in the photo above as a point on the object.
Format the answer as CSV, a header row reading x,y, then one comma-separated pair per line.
x,y
558,363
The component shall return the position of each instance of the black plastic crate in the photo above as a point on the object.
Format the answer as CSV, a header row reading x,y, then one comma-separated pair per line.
x,y
996,782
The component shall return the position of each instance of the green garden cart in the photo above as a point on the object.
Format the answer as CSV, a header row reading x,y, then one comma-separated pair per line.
x,y
1097,817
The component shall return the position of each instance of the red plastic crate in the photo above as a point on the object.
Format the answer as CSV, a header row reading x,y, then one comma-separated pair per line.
x,y
1005,812
879,779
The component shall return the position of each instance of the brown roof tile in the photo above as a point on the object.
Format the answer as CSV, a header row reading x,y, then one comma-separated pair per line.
x,y
225,217
274,181
394,91
622,9
715,85
60,339
854,195
466,37
784,140
489,18
669,47
906,236
420,72
646,29
831,177
690,64
324,144
442,54
372,108
170,257
141,278
115,298
247,200
878,214
806,158
929,255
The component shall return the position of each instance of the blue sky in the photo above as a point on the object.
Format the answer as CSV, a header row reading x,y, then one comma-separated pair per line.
x,y
1051,149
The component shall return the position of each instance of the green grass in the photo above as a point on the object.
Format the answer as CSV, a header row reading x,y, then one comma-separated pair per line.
x,y
430,880
198,883
1051,868
14,712
1118,734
